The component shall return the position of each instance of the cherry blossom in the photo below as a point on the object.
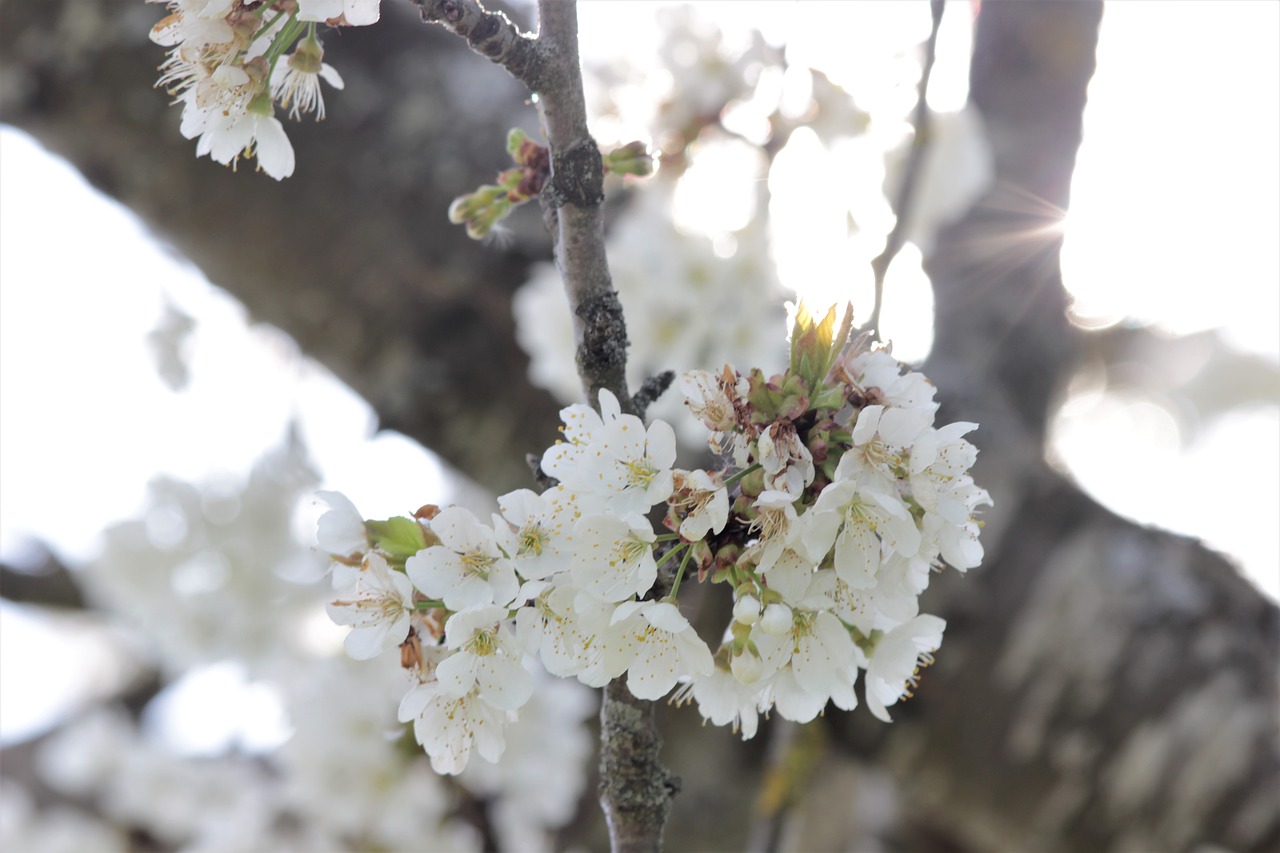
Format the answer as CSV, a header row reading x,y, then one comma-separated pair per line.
x,y
340,531
856,522
377,601
295,82
449,726
725,699
536,531
559,631
355,13
705,502
613,560
249,133
486,659
467,568
895,662
816,645
660,646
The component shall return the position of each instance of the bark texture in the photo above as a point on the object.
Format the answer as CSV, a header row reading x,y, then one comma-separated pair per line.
x,y
1102,685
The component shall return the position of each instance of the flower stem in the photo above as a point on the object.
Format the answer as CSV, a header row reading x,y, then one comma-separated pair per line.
x,y
675,586
750,469
668,555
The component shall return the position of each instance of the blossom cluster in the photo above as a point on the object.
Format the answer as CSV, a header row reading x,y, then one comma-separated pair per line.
x,y
837,498
230,62
211,583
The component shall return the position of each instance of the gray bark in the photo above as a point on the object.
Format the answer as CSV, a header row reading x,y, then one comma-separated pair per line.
x,y
1102,685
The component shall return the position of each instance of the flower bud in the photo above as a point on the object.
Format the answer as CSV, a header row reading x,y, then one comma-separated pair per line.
x,y
515,139
816,344
746,610
746,667
776,620
631,159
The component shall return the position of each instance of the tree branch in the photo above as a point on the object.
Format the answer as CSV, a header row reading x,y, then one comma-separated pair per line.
x,y
635,790
489,34
904,204
573,202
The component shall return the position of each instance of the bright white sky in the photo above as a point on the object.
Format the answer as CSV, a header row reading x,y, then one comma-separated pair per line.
x,y
1176,206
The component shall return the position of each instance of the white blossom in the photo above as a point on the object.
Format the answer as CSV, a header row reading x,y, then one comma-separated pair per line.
x,y
817,646
194,24
856,521
775,518
705,500
879,376
776,621
217,102
725,699
583,426
613,560
226,137
878,608
561,629
486,658
341,530
746,610
613,457
657,655
790,575
747,667
661,646
939,459
896,659
295,83
536,531
467,568
787,463
630,466
376,601
449,726
792,700
354,13
708,397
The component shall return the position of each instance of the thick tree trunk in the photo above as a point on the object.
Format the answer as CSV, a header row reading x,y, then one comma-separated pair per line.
x,y
1101,685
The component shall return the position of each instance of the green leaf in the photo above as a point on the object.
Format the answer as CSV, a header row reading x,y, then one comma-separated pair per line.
x,y
399,537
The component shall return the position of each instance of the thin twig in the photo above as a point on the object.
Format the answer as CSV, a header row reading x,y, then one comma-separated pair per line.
x,y
904,204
